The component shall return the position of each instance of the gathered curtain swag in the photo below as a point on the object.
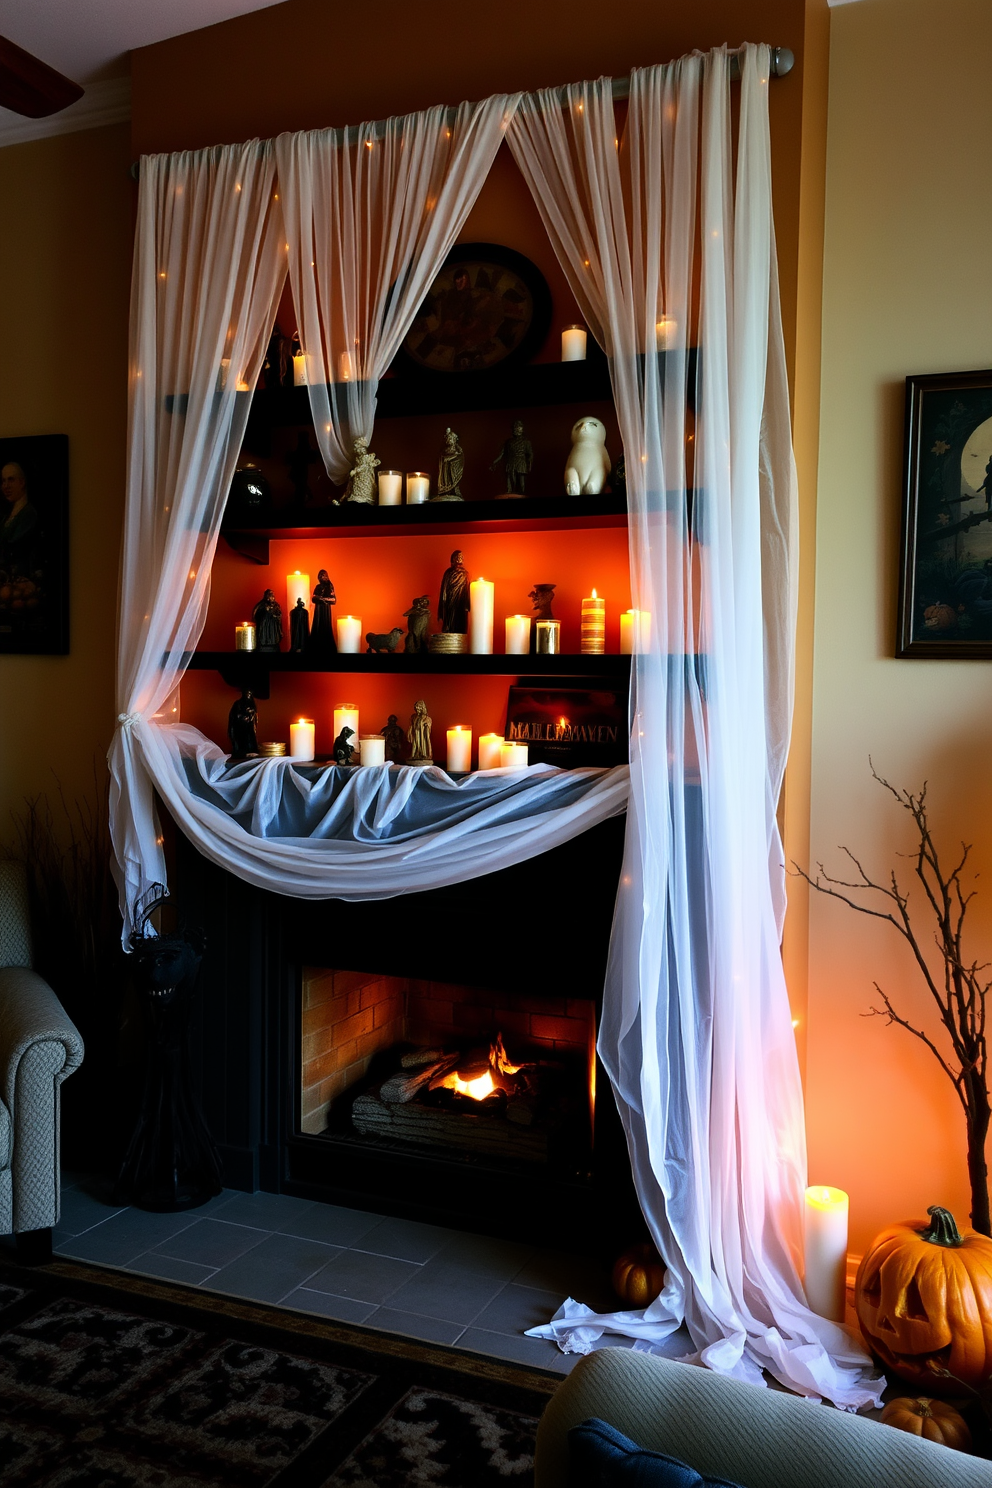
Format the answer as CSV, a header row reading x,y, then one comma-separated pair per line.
x,y
696,1032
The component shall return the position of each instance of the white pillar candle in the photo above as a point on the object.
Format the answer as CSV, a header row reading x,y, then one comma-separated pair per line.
x,y
390,488
666,330
301,739
459,749
297,587
346,716
244,636
349,634
300,369
480,617
548,637
573,344
345,370
373,750
513,756
826,1251
517,635
489,751
635,627
593,633
418,488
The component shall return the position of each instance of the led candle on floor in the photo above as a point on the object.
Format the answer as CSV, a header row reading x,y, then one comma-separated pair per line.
x,y
459,750
513,756
517,636
593,638
573,344
390,488
346,716
635,626
297,587
350,634
826,1251
489,751
373,750
300,369
244,636
301,739
548,637
418,488
480,617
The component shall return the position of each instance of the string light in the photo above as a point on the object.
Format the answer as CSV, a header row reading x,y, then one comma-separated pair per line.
x,y
237,185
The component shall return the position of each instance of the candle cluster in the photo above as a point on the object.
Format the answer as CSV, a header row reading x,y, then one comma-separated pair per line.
x,y
495,752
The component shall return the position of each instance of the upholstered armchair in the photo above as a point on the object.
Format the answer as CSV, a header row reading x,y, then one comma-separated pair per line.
x,y
39,1047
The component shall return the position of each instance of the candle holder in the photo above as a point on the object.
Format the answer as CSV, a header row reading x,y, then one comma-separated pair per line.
x,y
513,756
548,638
390,488
273,750
244,636
418,488
573,343
372,750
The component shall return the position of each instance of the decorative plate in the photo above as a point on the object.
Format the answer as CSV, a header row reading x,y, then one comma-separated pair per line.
x,y
488,307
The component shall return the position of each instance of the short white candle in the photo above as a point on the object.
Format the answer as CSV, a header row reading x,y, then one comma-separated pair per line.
x,y
349,634
573,344
489,751
480,617
297,587
301,739
390,488
300,369
513,756
346,716
244,636
667,331
517,635
373,750
826,1251
635,628
418,488
459,749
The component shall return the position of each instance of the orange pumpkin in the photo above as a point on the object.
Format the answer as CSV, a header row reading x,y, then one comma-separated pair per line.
x,y
923,1296
639,1275
932,1419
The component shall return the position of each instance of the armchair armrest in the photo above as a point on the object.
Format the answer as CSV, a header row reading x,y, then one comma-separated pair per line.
x,y
39,1047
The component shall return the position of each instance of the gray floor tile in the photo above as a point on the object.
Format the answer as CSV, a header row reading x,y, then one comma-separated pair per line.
x,y
270,1271
167,1268
539,1352
443,1290
331,1224
581,1277
367,1278
211,1242
517,1308
264,1211
80,1211
322,1304
501,1258
409,1325
117,1240
404,1239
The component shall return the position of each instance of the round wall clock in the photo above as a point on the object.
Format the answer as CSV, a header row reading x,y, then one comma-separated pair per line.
x,y
488,307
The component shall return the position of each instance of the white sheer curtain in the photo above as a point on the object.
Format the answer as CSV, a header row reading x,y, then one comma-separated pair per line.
x,y
209,265
371,213
696,1033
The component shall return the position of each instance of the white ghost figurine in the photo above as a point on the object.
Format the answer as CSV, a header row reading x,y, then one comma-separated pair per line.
x,y
588,463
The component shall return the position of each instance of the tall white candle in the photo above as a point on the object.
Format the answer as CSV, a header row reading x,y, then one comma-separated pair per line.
x,y
826,1251
301,739
297,587
390,488
517,635
459,749
346,716
513,756
349,634
418,488
489,751
480,617
373,750
573,344
300,369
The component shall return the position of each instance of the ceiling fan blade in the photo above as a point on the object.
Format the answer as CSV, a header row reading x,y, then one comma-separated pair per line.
x,y
30,87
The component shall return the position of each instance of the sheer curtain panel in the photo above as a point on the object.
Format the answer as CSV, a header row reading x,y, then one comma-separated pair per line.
x,y
661,249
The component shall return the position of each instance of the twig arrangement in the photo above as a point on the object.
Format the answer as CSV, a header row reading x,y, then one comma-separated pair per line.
x,y
959,991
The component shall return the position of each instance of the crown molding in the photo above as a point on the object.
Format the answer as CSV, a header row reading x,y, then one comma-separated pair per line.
x,y
108,102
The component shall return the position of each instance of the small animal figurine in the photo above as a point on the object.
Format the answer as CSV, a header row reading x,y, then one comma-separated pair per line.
x,y
387,642
588,463
361,477
267,616
451,468
419,735
299,626
342,751
418,618
395,740
517,459
241,725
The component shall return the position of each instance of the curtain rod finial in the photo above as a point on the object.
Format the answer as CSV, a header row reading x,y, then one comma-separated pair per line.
x,y
783,61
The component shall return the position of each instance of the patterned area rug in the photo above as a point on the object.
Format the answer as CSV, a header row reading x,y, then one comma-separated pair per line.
x,y
111,1381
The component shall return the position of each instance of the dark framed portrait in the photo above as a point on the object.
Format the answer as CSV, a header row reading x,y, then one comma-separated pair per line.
x,y
569,726
945,592
34,545
488,307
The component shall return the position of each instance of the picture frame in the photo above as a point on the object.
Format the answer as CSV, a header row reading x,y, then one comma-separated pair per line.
x,y
945,589
34,545
570,727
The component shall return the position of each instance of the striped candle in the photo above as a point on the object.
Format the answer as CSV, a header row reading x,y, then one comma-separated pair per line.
x,y
593,626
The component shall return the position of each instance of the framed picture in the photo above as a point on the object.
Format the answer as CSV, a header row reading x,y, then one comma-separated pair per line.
x,y
34,545
945,592
488,307
569,726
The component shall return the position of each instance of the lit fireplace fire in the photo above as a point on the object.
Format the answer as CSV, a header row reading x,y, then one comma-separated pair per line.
x,y
481,1085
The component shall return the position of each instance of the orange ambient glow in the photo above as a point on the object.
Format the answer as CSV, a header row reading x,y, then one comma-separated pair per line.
x,y
482,1086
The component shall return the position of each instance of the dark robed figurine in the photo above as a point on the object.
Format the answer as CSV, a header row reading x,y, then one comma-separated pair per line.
x,y
395,741
451,468
342,750
267,616
418,618
454,599
299,626
517,458
322,642
241,725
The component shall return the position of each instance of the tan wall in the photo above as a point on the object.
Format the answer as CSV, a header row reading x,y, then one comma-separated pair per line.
x,y
65,252
907,288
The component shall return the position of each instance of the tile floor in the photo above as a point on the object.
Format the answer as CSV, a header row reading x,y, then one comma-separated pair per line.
x,y
418,1280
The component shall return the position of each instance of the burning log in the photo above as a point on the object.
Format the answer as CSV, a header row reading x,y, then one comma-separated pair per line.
x,y
399,1089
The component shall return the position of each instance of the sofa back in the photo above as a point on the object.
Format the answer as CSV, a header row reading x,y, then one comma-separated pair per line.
x,y
15,927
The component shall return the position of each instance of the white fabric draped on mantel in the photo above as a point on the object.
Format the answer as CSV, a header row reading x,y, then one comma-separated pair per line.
x,y
665,234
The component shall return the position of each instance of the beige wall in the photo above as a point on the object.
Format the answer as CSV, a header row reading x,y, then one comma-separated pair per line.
x,y
907,288
65,252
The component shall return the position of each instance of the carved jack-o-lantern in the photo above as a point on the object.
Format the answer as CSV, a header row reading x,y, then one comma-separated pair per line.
x,y
924,1300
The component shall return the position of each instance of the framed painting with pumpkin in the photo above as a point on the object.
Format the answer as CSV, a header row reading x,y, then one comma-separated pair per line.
x,y
945,594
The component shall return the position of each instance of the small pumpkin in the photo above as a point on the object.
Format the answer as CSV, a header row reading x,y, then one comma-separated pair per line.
x,y
639,1275
934,1420
923,1296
